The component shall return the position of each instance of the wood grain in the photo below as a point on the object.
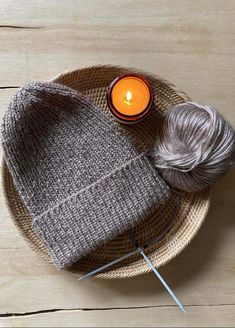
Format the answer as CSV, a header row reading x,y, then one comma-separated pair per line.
x,y
191,43
197,316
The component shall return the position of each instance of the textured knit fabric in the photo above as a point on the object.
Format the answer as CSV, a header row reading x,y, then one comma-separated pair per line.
x,y
81,179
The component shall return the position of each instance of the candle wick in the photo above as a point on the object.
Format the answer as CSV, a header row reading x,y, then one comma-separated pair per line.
x,y
128,97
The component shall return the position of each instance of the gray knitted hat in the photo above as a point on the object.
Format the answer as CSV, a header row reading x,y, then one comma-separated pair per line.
x,y
81,179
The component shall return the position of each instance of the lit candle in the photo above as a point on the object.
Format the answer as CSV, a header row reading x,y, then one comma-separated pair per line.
x,y
130,98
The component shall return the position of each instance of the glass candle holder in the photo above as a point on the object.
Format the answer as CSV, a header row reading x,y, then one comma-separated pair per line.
x,y
130,98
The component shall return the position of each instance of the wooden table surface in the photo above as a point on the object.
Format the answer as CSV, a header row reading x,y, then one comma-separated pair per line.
x,y
192,44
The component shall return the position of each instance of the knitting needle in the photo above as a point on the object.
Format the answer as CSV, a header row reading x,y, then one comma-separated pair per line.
x,y
106,266
152,242
161,279
92,273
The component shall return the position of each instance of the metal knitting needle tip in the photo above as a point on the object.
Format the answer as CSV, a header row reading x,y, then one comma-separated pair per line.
x,y
106,266
161,279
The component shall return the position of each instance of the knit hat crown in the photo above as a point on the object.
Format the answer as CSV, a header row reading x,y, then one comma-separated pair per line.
x,y
81,179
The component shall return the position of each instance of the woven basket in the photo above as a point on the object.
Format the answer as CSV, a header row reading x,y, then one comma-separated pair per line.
x,y
93,82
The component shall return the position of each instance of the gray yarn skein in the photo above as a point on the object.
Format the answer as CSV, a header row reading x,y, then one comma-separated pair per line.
x,y
196,146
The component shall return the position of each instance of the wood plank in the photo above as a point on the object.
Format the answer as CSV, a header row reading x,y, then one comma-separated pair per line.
x,y
196,52
189,43
50,13
199,316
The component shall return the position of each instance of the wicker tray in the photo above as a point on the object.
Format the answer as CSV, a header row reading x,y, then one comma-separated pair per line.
x,y
93,82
